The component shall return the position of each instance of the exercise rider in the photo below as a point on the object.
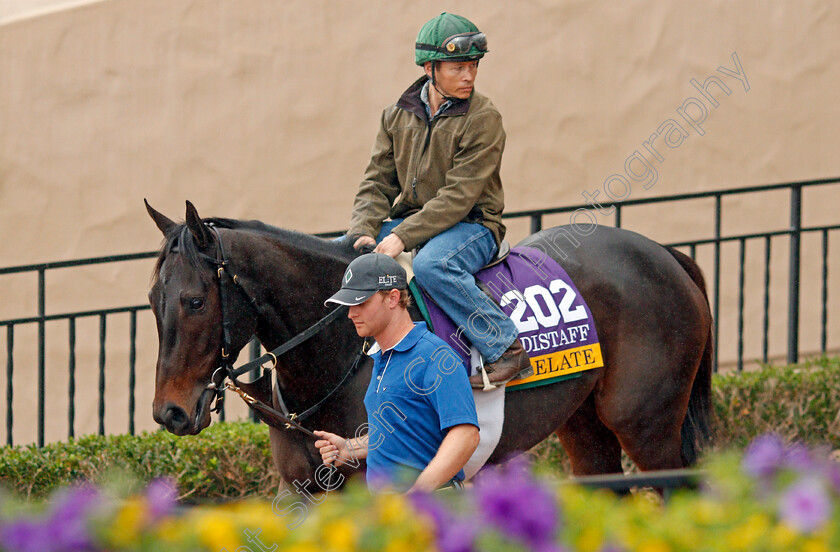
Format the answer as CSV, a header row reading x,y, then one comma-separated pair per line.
x,y
434,172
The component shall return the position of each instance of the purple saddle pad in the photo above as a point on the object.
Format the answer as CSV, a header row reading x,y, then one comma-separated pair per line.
x,y
555,324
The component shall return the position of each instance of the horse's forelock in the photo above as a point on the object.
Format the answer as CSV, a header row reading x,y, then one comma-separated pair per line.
x,y
181,241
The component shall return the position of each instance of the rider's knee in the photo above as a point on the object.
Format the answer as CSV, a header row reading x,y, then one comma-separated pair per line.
x,y
426,269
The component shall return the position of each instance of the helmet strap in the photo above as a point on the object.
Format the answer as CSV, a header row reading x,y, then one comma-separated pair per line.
x,y
434,84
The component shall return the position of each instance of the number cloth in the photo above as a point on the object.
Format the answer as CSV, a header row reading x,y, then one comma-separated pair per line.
x,y
555,325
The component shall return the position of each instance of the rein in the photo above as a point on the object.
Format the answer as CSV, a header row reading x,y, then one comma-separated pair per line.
x,y
226,370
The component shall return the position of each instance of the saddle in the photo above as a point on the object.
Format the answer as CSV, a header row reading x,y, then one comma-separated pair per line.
x,y
555,324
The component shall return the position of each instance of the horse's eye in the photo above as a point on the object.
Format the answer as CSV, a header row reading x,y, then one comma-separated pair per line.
x,y
196,303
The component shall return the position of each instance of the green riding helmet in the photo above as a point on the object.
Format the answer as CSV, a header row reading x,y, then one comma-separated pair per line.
x,y
449,37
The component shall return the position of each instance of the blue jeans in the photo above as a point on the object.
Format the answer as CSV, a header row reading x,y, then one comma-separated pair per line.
x,y
444,267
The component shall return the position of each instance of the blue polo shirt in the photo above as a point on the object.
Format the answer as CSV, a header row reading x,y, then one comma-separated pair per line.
x,y
418,390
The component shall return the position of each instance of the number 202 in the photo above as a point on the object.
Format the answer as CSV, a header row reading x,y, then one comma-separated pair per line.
x,y
549,319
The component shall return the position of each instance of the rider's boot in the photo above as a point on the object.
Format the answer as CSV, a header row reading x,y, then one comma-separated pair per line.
x,y
513,364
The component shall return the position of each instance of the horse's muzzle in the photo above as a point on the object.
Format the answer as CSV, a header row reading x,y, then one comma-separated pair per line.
x,y
176,421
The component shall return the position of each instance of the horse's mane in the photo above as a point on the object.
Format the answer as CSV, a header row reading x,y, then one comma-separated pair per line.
x,y
179,239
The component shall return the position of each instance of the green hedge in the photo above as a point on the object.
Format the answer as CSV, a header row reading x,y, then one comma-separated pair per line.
x,y
225,461
233,460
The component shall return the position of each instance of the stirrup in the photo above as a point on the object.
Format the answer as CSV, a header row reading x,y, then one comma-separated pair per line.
x,y
487,385
484,377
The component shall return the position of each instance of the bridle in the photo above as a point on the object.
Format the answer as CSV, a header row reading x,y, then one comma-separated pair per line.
x,y
229,283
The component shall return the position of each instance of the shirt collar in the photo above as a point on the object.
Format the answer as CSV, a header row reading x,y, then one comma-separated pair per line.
x,y
406,343
424,97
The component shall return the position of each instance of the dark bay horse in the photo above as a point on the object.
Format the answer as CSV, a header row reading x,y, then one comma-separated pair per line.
x,y
652,398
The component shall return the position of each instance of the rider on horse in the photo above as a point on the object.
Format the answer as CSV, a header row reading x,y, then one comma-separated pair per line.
x,y
439,149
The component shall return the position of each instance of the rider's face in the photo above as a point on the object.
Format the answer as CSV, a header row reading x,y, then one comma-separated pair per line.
x,y
455,79
374,315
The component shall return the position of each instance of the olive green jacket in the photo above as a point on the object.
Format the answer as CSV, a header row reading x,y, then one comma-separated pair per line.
x,y
434,175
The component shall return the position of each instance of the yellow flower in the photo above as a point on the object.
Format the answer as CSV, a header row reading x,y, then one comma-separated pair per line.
x,y
170,531
745,536
814,545
129,520
258,515
399,544
216,531
301,547
340,534
707,512
654,546
590,539
392,509
782,536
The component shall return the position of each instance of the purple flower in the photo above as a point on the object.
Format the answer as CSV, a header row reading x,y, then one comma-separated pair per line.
x,y
800,459
764,456
25,535
805,505
161,495
832,473
425,503
518,505
62,528
549,547
458,536
453,534
68,518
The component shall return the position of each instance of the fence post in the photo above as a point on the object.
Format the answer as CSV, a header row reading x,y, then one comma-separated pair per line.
x,y
10,369
718,215
132,369
41,352
102,374
793,278
71,374
536,223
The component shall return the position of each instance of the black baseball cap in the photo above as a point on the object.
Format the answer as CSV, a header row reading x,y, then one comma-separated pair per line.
x,y
365,276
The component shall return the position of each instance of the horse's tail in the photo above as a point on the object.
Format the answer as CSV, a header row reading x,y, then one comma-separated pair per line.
x,y
696,431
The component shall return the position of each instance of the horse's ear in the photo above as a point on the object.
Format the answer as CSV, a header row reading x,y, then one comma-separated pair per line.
x,y
199,231
163,223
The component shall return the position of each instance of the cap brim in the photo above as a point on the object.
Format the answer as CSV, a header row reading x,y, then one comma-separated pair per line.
x,y
350,297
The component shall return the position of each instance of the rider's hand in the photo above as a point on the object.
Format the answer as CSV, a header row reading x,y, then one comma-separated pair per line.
x,y
331,447
363,240
392,246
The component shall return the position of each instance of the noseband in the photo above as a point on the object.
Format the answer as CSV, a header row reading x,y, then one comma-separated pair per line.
x,y
285,419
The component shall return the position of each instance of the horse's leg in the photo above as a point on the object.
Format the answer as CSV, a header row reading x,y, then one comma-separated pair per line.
x,y
592,448
648,421
531,415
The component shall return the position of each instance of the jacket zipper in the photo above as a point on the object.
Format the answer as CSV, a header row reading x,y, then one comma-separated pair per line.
x,y
420,157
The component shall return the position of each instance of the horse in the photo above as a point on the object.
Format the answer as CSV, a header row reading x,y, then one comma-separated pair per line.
x,y
652,397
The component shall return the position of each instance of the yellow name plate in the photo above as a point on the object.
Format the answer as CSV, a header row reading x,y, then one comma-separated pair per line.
x,y
562,363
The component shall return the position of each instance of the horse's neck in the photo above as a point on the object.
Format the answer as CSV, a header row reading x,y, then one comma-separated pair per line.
x,y
290,284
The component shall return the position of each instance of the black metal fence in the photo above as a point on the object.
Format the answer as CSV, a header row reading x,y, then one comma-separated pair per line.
x,y
795,232
715,240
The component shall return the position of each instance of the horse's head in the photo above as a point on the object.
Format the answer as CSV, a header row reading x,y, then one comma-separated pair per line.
x,y
185,299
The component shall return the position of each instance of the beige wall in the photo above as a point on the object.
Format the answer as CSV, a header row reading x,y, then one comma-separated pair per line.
x,y
264,109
